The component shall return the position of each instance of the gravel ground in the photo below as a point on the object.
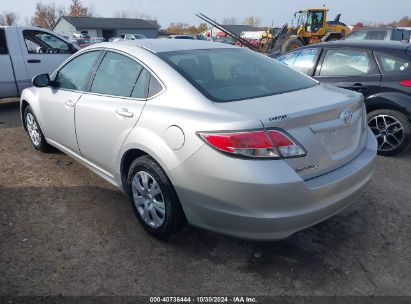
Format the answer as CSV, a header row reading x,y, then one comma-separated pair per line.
x,y
65,231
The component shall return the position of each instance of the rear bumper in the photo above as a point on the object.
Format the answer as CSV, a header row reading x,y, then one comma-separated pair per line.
x,y
265,200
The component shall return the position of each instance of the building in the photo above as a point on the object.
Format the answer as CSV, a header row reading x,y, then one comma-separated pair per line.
x,y
105,27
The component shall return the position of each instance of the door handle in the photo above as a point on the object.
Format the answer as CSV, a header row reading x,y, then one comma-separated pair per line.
x,y
358,86
124,112
34,61
69,103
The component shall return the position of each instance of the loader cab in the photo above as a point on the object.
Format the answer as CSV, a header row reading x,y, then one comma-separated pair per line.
x,y
311,21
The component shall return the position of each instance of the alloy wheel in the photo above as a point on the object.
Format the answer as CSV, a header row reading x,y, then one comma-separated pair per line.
x,y
388,131
33,129
148,199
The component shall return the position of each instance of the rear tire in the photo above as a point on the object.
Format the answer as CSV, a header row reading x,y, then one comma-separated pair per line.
x,y
290,44
34,131
154,199
392,130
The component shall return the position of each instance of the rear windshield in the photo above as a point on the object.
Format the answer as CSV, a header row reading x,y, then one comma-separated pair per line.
x,y
235,74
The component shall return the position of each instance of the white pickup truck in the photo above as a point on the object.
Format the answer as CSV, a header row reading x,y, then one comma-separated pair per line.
x,y
26,52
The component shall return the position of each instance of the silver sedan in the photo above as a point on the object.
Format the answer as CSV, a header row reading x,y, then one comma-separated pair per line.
x,y
219,136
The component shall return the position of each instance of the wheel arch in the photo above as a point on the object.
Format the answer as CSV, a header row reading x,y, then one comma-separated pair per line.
x,y
389,100
24,105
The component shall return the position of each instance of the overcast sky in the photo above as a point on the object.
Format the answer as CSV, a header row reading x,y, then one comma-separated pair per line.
x,y
279,12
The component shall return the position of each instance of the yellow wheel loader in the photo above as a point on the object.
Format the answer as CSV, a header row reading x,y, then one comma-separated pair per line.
x,y
311,27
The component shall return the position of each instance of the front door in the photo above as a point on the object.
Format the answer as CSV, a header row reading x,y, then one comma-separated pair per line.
x,y
107,114
59,101
43,52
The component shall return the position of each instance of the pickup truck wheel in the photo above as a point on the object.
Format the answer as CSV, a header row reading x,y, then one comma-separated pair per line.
x,y
392,129
33,129
154,199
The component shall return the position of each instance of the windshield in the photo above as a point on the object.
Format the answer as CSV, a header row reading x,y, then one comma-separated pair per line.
x,y
235,74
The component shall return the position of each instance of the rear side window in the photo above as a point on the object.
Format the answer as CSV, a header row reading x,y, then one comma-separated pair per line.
x,y
230,74
376,35
302,60
117,75
3,43
141,86
390,64
345,63
73,75
155,87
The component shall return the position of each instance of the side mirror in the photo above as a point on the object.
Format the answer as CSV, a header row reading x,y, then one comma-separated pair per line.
x,y
72,48
41,81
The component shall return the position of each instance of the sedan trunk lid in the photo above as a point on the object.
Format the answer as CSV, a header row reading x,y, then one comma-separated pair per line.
x,y
328,122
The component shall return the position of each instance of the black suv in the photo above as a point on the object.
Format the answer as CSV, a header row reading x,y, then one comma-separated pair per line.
x,y
380,70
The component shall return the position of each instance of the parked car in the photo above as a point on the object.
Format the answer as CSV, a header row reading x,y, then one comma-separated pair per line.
x,y
96,40
227,40
133,36
381,71
114,39
26,52
180,37
83,34
221,136
397,34
83,42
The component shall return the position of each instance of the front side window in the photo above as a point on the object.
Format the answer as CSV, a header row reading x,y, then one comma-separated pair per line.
x,y
302,60
73,75
230,74
38,42
358,35
390,64
117,75
345,63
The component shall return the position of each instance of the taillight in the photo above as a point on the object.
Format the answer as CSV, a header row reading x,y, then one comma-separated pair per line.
x,y
254,144
406,83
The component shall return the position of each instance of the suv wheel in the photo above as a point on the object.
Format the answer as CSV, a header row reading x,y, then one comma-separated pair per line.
x,y
392,130
154,199
33,129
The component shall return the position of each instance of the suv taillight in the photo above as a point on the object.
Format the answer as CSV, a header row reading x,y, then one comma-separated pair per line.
x,y
406,83
254,144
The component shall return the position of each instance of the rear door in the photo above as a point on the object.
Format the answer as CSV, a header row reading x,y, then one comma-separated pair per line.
x,y
108,112
42,51
8,85
350,69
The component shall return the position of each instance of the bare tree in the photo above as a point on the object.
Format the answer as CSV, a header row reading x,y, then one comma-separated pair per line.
x,y
46,15
8,18
77,9
122,14
252,20
230,21
133,14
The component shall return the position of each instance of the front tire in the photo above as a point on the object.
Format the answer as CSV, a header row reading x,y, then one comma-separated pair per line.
x,y
392,130
154,199
34,131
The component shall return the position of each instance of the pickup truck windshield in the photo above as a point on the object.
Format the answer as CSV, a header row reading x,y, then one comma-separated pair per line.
x,y
224,75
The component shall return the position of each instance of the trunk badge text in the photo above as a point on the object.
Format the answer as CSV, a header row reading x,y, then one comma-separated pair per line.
x,y
311,167
347,115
